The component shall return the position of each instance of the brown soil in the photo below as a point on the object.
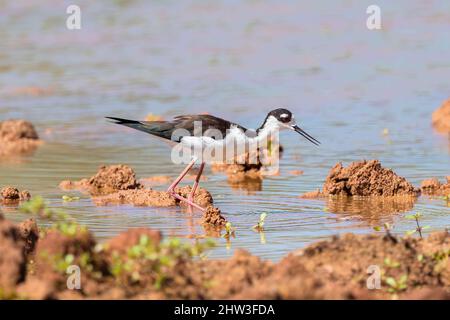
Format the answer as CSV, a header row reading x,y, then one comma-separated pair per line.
x,y
108,179
12,257
29,233
331,269
364,178
153,198
441,118
243,169
17,137
434,187
117,184
213,217
11,195
125,240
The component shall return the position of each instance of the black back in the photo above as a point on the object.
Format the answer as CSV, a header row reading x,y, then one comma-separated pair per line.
x,y
166,129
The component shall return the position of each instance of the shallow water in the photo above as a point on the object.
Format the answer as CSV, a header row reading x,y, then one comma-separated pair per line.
x,y
237,60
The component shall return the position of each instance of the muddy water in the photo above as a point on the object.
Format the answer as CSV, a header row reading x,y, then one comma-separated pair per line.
x,y
345,84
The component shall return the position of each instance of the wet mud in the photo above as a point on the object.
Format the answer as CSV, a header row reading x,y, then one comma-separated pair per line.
x,y
441,118
364,179
108,179
141,264
117,184
17,137
434,187
12,196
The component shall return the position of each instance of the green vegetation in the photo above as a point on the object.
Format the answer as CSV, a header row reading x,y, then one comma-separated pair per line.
x,y
159,258
67,198
229,231
61,220
387,228
259,227
418,228
397,285
391,263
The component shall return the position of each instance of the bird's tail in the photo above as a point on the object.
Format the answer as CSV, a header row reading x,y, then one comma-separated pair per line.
x,y
156,128
138,125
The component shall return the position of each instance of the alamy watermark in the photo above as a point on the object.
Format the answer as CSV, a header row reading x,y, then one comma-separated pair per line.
x,y
74,279
73,21
230,147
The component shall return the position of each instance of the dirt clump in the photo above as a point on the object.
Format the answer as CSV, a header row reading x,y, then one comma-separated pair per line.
x,y
202,196
29,233
246,166
117,184
213,217
441,118
108,179
143,197
125,240
59,249
17,137
12,195
153,198
312,194
435,188
140,264
12,257
365,178
229,277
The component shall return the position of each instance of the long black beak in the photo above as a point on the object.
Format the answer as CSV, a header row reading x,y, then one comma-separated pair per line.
x,y
305,135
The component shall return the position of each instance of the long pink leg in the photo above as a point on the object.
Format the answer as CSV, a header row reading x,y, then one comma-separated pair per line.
x,y
196,182
181,176
177,181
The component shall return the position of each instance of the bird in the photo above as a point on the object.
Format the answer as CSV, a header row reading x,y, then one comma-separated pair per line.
x,y
186,132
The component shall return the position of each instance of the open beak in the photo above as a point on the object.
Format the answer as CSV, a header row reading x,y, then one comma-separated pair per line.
x,y
305,135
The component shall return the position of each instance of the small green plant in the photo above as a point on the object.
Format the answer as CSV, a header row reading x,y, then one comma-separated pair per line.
x,y
67,198
229,231
61,220
388,262
387,228
259,227
397,285
418,228
155,259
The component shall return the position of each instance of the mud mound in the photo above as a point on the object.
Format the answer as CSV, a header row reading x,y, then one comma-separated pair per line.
x,y
145,198
117,184
291,280
434,187
441,118
231,276
202,197
153,198
11,195
213,217
17,137
58,250
138,264
12,256
337,269
395,256
108,179
29,233
125,240
240,170
364,178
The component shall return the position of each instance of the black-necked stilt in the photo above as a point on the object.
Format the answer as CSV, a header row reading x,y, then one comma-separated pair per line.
x,y
218,134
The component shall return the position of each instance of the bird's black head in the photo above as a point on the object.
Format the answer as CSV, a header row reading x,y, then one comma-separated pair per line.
x,y
282,115
281,118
